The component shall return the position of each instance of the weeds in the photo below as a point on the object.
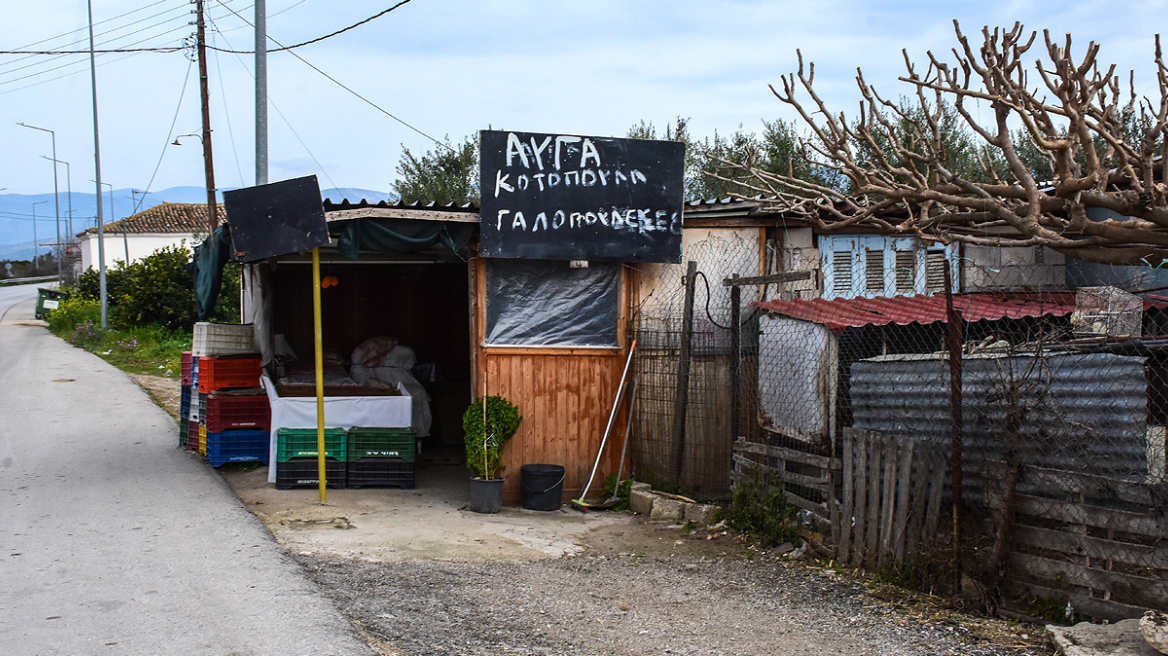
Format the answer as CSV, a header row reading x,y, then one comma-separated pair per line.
x,y
761,511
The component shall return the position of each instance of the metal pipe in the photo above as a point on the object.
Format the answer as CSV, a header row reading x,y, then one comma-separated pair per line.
x,y
97,175
56,191
261,92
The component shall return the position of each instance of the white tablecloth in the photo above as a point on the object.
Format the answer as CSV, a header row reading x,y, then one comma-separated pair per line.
x,y
339,412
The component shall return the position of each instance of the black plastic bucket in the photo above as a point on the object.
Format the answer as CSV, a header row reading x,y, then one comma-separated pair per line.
x,y
543,486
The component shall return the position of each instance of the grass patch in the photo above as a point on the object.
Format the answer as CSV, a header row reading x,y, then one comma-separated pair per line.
x,y
761,511
151,349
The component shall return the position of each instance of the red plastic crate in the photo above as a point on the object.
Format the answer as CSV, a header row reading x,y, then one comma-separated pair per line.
x,y
235,412
226,373
187,362
193,436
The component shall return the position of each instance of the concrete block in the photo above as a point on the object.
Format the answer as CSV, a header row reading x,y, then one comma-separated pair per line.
x,y
667,510
641,501
1120,639
702,514
641,486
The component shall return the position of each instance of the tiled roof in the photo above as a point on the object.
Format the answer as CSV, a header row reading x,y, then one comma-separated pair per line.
x,y
166,218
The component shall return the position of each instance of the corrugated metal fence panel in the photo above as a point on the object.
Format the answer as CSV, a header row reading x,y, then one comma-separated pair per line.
x,y
1077,412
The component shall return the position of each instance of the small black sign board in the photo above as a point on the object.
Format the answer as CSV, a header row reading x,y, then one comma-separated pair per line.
x,y
568,197
276,219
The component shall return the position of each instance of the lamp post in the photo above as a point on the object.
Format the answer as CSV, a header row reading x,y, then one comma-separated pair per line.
x,y
56,193
212,212
35,252
114,217
68,194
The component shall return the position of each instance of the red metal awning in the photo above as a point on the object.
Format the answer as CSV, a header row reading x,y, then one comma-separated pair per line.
x,y
838,314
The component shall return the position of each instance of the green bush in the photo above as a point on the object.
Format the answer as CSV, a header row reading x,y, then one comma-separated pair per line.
x,y
761,510
159,290
502,421
77,319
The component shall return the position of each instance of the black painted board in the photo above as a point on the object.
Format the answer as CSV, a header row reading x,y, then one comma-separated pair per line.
x,y
571,197
276,219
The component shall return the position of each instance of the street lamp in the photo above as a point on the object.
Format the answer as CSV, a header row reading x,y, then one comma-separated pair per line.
x,y
35,252
56,193
212,212
114,216
68,192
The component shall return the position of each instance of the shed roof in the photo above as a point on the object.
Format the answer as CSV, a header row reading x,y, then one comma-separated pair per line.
x,y
165,218
839,314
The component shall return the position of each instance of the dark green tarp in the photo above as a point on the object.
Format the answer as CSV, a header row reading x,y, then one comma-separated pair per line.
x,y
207,269
402,236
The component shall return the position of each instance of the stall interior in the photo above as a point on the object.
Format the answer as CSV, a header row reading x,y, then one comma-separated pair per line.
x,y
385,320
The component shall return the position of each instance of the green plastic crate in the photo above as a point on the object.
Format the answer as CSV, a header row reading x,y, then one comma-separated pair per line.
x,y
301,443
184,429
371,442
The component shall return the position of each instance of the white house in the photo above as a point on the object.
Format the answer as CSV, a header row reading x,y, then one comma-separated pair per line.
x,y
137,236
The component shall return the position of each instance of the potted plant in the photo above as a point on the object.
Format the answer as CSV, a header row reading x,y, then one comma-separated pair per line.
x,y
487,430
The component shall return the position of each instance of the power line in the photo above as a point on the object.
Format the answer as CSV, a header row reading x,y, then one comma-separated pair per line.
x,y
334,80
59,51
182,94
316,40
83,29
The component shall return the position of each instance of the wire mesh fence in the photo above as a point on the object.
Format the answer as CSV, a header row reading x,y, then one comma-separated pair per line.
x,y
1035,394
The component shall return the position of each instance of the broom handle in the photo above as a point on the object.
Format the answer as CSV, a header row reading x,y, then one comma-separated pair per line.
x,y
611,417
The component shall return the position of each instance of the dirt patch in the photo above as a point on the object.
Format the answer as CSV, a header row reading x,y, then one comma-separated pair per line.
x,y
166,392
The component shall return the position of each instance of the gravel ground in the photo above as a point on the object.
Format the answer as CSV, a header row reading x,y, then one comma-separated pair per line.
x,y
637,588
678,598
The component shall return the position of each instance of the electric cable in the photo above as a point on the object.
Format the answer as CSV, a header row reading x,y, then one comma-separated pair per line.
x,y
182,94
287,122
86,28
338,83
283,48
82,61
227,112
85,51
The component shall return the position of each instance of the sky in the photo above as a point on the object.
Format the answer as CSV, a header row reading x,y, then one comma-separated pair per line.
x,y
453,67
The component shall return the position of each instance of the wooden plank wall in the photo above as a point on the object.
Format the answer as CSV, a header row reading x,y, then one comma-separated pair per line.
x,y
1099,542
565,400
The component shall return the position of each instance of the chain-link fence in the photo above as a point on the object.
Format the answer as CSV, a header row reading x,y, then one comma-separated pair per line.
x,y
1031,403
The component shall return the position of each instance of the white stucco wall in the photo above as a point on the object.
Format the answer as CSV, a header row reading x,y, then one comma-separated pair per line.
x,y
140,245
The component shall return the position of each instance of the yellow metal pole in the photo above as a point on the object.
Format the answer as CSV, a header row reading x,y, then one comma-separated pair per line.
x,y
319,343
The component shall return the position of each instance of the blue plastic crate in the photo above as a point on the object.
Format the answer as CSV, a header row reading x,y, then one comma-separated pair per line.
x,y
185,407
237,446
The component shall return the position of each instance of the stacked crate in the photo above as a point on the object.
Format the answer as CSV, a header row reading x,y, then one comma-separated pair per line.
x,y
297,453
381,457
192,437
184,423
234,416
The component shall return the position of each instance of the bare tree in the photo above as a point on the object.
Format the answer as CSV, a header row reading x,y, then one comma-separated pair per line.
x,y
1104,148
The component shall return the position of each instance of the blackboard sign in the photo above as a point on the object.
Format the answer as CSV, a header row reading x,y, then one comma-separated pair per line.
x,y
276,219
568,197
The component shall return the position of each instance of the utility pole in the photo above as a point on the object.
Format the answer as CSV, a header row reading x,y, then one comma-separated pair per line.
x,y
56,192
208,163
97,172
261,92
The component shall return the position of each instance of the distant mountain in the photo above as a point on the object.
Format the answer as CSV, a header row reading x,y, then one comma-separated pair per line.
x,y
18,251
17,211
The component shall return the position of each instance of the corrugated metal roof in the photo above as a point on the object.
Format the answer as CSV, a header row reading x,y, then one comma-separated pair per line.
x,y
165,218
838,314
345,204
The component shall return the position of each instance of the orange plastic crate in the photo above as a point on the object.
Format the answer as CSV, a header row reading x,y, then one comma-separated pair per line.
x,y
226,373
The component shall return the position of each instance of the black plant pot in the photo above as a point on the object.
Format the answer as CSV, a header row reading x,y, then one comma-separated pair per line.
x,y
486,495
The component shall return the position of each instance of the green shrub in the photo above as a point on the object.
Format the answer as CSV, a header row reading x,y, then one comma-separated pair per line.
x,y
761,511
77,319
502,421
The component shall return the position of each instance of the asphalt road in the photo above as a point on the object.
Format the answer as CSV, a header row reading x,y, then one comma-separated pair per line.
x,y
114,541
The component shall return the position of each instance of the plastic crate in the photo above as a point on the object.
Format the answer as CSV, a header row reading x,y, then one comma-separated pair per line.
x,y
185,403
184,429
294,443
305,472
236,446
222,413
202,440
227,373
218,339
381,472
195,411
192,436
187,368
370,442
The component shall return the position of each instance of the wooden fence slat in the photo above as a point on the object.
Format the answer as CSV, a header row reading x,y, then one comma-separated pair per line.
x,y
1089,485
845,531
1102,609
1135,555
1136,589
920,488
875,459
888,497
936,467
1074,513
812,459
861,491
818,484
900,525
809,506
